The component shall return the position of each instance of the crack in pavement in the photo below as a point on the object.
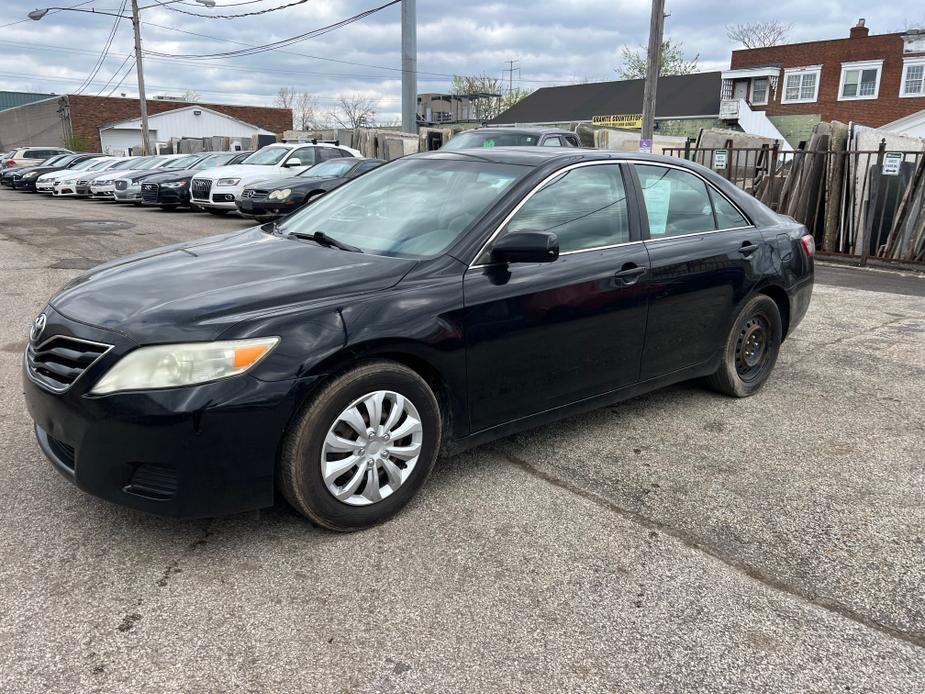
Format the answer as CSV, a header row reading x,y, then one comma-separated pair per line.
x,y
691,541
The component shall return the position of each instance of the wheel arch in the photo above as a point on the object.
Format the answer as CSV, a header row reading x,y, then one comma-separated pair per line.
x,y
428,363
779,296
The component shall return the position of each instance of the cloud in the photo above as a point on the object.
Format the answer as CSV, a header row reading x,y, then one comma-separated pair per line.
x,y
554,42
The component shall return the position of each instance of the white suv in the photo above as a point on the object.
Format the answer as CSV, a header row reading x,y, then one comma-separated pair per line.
x,y
31,156
216,190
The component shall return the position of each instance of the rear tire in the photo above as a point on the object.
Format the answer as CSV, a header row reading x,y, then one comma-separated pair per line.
x,y
322,440
751,349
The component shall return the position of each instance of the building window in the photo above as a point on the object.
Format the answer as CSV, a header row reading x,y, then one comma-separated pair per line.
x,y
760,91
913,82
860,80
801,85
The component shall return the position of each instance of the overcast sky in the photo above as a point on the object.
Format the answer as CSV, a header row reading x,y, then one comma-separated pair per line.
x,y
554,42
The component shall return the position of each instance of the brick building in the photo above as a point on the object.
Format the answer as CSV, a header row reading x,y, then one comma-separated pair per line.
x,y
53,120
874,80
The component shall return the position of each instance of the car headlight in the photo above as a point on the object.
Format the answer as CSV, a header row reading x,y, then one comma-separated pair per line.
x,y
171,366
228,181
280,194
173,184
31,174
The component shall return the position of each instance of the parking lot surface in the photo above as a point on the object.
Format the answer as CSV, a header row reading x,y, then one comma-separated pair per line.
x,y
681,541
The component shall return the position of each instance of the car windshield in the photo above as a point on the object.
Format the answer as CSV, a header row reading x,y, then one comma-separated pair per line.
x,y
268,156
55,159
412,208
182,162
87,164
332,167
132,163
154,163
491,139
213,161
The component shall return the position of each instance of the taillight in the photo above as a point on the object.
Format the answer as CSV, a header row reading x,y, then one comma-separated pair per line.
x,y
809,245
9,162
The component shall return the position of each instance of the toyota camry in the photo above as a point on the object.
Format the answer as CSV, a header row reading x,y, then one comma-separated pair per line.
x,y
438,302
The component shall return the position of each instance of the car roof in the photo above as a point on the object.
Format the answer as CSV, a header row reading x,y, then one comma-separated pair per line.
x,y
520,131
538,156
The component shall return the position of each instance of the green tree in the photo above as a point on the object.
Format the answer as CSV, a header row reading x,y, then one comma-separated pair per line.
x,y
673,62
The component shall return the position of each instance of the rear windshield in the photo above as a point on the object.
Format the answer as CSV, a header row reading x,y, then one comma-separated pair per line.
x,y
492,139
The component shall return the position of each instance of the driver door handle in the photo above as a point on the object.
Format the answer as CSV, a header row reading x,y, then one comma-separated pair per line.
x,y
748,248
630,274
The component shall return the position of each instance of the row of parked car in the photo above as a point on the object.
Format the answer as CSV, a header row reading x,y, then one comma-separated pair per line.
x,y
264,184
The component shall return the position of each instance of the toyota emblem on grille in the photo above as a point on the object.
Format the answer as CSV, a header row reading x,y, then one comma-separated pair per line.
x,y
38,326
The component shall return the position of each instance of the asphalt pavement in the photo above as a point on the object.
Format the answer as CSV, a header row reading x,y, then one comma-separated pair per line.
x,y
678,542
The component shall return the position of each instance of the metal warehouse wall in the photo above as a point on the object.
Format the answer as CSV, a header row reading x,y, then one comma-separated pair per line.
x,y
38,123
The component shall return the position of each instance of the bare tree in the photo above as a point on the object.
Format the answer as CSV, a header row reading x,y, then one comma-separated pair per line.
x,y
304,107
759,34
190,95
673,61
354,111
488,95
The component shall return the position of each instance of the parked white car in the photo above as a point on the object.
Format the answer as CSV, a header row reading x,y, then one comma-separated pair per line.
x,y
216,190
104,185
46,182
68,185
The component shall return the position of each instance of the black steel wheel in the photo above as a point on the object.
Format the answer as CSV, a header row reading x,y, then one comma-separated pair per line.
x,y
751,349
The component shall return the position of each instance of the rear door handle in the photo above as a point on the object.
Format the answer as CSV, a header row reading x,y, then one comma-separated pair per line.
x,y
631,275
748,248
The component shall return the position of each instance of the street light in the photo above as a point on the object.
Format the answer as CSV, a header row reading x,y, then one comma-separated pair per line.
x,y
37,14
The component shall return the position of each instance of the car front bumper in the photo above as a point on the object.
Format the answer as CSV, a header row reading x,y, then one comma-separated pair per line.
x,y
263,207
166,196
24,184
103,192
196,451
45,187
127,195
192,452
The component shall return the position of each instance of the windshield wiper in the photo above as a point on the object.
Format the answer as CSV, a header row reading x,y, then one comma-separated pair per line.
x,y
271,228
323,239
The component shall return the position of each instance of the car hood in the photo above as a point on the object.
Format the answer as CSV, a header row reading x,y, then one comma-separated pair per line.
x,y
167,176
119,173
243,171
196,290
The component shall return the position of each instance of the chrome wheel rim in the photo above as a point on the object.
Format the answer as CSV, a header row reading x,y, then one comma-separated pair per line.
x,y
372,448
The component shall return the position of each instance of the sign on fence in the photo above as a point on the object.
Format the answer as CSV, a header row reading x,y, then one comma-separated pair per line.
x,y
720,159
892,161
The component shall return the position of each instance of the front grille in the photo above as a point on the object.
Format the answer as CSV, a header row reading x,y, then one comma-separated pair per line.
x,y
200,188
60,360
255,194
62,452
121,185
149,192
83,183
153,482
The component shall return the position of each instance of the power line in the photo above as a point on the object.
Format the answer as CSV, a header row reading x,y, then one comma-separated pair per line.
x,y
117,71
314,33
105,52
122,79
233,16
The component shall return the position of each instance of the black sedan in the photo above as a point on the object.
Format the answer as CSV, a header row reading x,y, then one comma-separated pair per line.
x,y
281,197
441,301
6,176
170,189
25,178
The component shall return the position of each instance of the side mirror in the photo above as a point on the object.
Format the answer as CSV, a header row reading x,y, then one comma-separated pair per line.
x,y
295,161
527,247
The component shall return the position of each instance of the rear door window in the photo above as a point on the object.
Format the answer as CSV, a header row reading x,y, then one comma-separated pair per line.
x,y
677,202
306,155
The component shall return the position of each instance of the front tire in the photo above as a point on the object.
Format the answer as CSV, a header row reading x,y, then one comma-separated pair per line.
x,y
362,447
751,349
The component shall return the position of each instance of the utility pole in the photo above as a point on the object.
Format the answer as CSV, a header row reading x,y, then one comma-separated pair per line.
x,y
656,30
409,67
510,79
145,133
